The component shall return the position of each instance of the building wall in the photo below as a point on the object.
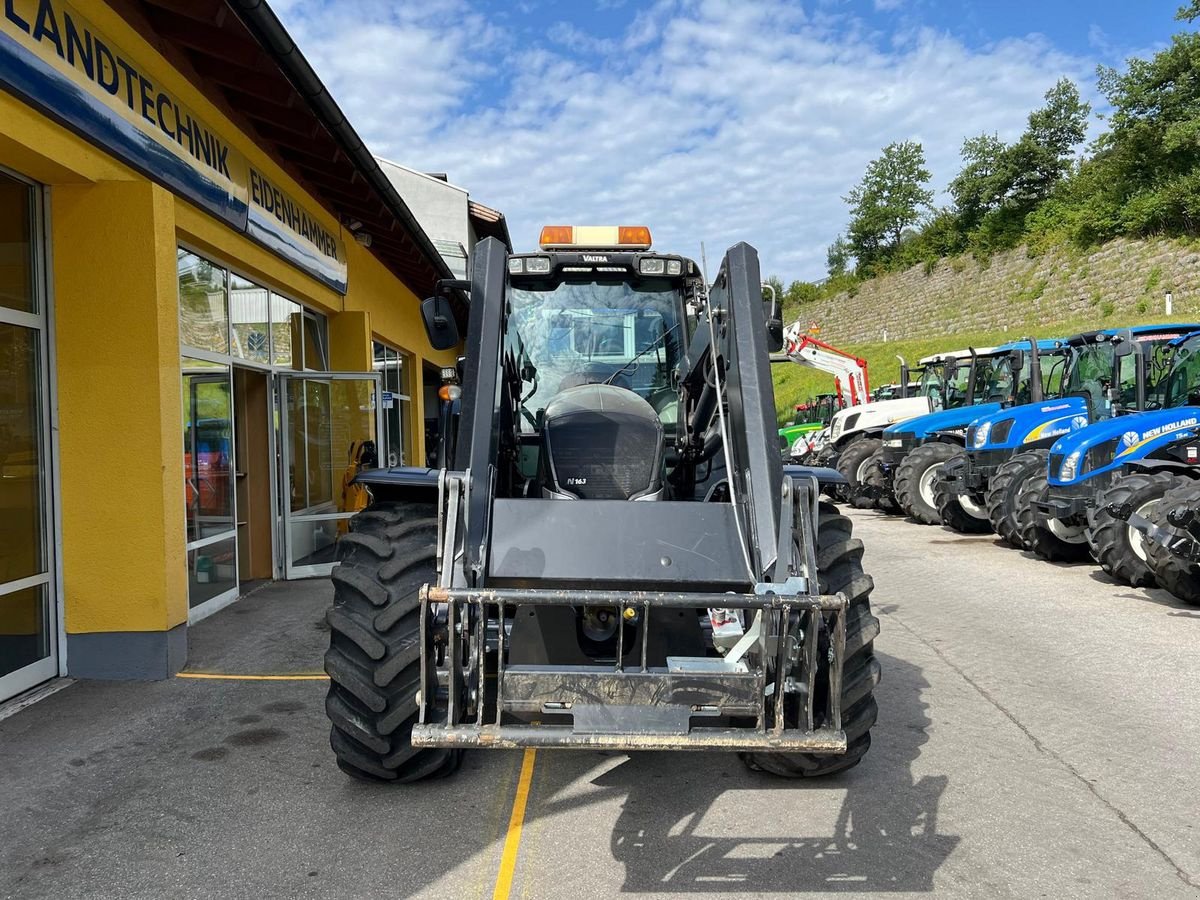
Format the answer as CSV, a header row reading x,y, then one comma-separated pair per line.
x,y
114,300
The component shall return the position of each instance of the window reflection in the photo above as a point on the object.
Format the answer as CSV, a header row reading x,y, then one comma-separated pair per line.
x,y
207,450
24,628
203,318
249,315
21,531
16,260
287,325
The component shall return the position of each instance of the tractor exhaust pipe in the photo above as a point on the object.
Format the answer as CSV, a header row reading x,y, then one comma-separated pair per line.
x,y
903,377
1035,372
971,377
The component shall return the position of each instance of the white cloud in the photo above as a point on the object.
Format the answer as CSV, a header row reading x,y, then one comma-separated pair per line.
x,y
712,120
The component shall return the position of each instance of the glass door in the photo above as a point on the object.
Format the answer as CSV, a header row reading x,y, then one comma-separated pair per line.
x,y
330,428
28,630
209,487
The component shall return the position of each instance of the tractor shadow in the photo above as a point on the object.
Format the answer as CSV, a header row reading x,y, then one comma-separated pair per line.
x,y
701,823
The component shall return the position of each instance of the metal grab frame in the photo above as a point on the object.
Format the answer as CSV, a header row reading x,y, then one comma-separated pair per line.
x,y
635,707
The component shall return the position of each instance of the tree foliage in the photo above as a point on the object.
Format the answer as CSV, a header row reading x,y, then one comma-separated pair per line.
x,y
890,199
1140,177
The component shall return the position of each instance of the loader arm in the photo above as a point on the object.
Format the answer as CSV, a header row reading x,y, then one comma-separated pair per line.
x,y
806,350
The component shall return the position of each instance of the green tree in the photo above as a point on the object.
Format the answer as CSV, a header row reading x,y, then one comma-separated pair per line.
x,y
889,199
981,184
1044,154
837,257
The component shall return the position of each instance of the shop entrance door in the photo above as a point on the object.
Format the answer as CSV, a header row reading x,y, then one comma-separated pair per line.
x,y
330,425
28,630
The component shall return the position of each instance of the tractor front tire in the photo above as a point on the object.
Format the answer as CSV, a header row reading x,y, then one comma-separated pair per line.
x,y
878,493
852,463
374,656
953,513
1179,576
1039,538
839,568
1120,549
915,478
1004,488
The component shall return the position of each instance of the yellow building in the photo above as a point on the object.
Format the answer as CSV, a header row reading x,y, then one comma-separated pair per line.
x,y
209,303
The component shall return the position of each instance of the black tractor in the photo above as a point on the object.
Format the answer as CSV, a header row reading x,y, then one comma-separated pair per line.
x,y
614,556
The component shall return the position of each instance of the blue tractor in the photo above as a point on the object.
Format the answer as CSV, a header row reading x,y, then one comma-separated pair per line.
x,y
1123,463
1005,448
914,451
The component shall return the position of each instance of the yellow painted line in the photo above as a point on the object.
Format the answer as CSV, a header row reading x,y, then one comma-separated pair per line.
x,y
212,676
512,842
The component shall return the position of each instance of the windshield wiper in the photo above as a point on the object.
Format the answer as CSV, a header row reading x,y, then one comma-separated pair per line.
x,y
660,339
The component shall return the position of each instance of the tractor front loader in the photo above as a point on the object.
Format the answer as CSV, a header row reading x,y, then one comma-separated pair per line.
x,y
616,557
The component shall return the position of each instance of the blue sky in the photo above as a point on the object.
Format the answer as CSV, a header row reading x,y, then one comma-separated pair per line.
x,y
709,120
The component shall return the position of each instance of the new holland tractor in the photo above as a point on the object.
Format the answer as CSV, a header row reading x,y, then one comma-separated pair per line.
x,y
1124,462
1007,447
913,452
856,433
615,558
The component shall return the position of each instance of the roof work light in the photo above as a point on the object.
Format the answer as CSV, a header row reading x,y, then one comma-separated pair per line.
x,y
595,237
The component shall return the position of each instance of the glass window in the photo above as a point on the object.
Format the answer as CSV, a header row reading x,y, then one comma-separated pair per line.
x,y
287,327
250,320
16,246
316,345
203,316
22,553
24,629
393,367
212,570
207,449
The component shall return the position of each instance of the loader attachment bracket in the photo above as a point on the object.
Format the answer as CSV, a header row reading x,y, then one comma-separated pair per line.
x,y
742,701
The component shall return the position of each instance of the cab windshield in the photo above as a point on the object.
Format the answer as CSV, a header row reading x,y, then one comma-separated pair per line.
x,y
592,331
1183,383
994,380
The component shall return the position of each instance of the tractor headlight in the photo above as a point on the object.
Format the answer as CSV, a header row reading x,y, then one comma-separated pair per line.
x,y
1070,466
981,435
800,446
652,266
538,265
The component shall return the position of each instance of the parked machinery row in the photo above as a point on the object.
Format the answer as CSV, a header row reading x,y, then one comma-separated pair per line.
x,y
1085,447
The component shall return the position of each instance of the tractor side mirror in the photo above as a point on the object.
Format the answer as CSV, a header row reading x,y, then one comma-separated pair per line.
x,y
774,332
774,318
951,370
440,326
1016,360
1122,346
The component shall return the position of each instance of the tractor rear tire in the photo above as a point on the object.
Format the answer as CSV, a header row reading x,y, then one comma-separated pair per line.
x,y
954,514
1004,488
374,656
878,494
839,568
915,477
852,462
1120,549
1035,536
1175,574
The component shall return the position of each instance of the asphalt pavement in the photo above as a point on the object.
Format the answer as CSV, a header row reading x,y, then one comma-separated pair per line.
x,y
1038,737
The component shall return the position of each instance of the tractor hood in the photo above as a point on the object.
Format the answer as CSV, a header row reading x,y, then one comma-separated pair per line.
x,y
1029,423
943,420
877,415
1111,443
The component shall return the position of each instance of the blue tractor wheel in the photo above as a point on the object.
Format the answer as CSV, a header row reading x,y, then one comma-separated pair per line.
x,y
1178,574
1121,549
1004,488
